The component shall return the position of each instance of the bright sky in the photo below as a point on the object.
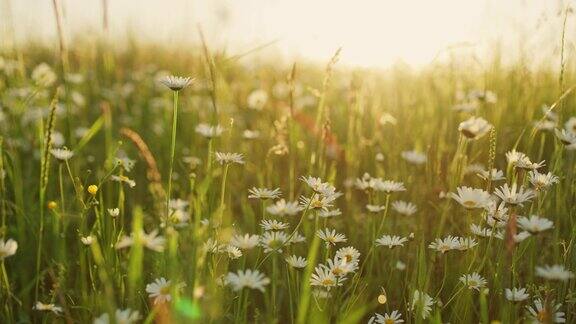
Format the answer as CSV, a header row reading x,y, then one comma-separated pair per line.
x,y
371,32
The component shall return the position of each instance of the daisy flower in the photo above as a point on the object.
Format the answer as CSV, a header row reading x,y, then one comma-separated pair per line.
x,y
39,306
264,193
349,254
393,318
554,272
252,279
250,134
297,238
422,304
567,138
329,213
544,314
414,157
283,208
273,225
62,154
471,198
229,158
245,242
152,241
125,316
296,261
474,128
473,281
339,267
446,244
404,208
114,212
330,236
466,243
273,241
209,131
232,251
535,224
7,248
176,83
492,175
375,208
391,241
123,179
159,289
323,277
514,195
480,231
542,180
257,99
87,240
516,294
388,186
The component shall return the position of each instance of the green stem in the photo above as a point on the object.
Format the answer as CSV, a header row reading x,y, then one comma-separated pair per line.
x,y
172,150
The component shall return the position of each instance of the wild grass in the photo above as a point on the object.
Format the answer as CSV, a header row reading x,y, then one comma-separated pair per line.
x,y
85,225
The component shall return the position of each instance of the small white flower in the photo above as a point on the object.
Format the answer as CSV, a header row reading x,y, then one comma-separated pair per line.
x,y
43,75
542,180
446,244
471,198
228,158
422,303
567,138
252,279
39,306
176,83
282,208
233,252
273,225
152,241
324,278
375,208
404,208
492,175
114,212
554,272
514,195
296,261
349,254
474,128
516,294
87,240
535,224
393,318
159,289
209,131
250,134
257,99
473,281
264,193
125,316
391,241
414,157
544,314
273,241
330,236
387,186
62,154
246,242
124,179
7,248
329,213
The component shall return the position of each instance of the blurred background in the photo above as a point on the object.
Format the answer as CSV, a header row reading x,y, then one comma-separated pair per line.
x,y
372,33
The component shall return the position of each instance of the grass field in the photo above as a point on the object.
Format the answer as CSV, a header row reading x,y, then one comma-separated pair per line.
x,y
262,193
